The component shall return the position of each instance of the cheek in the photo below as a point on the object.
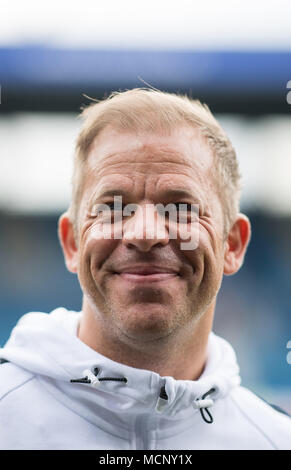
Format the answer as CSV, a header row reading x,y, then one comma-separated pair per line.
x,y
213,261
95,249
206,258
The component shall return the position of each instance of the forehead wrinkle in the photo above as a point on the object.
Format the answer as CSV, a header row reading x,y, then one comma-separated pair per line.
x,y
130,172
180,187
115,183
132,156
142,168
158,160
164,180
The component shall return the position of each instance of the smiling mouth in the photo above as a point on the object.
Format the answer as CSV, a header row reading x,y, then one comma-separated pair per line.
x,y
147,274
147,277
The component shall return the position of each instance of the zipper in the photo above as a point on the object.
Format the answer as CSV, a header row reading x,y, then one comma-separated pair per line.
x,y
141,433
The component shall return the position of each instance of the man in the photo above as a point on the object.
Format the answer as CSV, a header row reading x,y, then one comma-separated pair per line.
x,y
138,367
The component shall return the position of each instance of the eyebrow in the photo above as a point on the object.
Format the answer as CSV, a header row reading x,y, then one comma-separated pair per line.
x,y
168,193
177,193
112,192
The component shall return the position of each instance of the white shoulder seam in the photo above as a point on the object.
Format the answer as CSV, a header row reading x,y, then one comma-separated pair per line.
x,y
253,422
16,387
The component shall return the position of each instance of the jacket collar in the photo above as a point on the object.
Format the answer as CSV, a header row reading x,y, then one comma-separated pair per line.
x,y
47,345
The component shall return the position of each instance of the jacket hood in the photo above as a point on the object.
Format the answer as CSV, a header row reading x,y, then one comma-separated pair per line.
x,y
47,346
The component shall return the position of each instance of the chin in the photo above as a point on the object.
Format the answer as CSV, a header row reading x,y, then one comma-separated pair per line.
x,y
147,321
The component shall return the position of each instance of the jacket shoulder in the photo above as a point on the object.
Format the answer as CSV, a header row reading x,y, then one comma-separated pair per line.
x,y
273,424
12,378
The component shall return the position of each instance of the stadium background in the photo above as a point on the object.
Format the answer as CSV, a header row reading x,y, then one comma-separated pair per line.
x,y
236,57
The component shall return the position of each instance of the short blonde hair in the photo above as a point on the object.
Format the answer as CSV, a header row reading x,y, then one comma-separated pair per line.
x,y
146,109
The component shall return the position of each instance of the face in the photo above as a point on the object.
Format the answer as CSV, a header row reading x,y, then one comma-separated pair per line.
x,y
139,286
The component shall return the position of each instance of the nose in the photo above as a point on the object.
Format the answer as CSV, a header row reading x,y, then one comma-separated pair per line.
x,y
145,229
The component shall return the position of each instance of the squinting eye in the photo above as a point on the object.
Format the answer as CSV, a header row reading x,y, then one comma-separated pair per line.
x,y
107,207
113,206
187,211
183,206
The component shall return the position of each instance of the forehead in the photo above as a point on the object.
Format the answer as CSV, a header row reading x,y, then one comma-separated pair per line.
x,y
124,156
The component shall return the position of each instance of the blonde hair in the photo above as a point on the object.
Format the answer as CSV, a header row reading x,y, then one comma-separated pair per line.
x,y
146,109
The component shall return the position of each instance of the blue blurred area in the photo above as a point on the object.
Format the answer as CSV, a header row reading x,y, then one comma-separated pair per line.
x,y
45,78
33,274
253,308
214,71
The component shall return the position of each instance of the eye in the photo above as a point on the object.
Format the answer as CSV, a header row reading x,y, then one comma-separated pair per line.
x,y
109,210
183,206
101,210
113,206
186,207
126,209
187,212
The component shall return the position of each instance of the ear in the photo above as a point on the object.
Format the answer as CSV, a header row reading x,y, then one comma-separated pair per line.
x,y
236,244
68,243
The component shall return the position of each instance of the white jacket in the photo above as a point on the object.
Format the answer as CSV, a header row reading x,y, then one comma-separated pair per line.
x,y
40,408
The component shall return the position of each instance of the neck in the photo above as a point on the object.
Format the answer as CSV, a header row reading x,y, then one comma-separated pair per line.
x,y
181,355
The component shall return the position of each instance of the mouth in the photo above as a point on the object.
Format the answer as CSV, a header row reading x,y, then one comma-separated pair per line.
x,y
147,273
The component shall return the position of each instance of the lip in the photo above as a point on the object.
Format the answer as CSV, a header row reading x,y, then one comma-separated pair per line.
x,y
146,269
147,273
158,277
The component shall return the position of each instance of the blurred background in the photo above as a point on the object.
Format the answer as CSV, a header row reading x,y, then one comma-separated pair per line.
x,y
233,55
